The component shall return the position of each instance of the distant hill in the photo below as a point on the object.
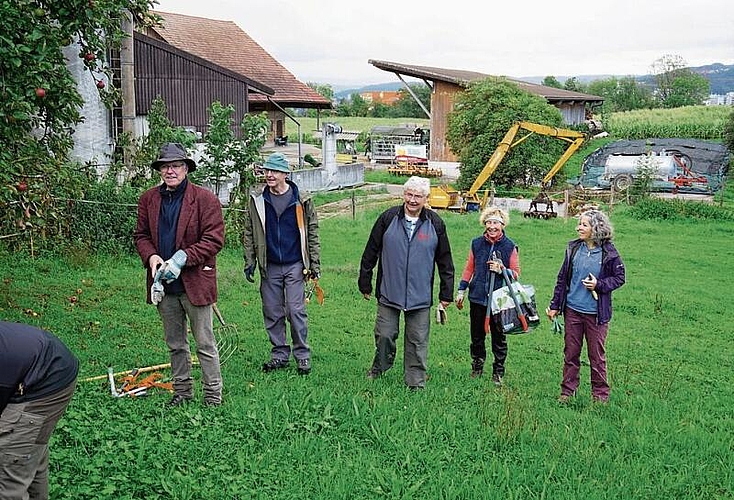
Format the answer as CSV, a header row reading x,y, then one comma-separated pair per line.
x,y
720,77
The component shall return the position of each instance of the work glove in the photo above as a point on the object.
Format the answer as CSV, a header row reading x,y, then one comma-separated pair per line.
x,y
441,314
156,290
460,299
495,265
171,269
250,273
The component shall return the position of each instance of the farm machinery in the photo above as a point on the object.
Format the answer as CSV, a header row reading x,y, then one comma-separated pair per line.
x,y
451,199
666,167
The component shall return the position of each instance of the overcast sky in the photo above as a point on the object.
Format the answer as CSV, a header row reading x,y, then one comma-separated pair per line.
x,y
327,41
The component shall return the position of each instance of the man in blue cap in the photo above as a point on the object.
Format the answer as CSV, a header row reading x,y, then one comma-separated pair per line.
x,y
281,238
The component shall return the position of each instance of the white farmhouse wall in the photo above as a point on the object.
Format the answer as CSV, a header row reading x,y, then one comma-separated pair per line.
x,y
92,141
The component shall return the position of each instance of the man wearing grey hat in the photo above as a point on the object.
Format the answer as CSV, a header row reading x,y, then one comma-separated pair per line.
x,y
179,232
281,238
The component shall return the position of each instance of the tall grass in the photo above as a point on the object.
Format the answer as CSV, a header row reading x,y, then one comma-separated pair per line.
x,y
666,432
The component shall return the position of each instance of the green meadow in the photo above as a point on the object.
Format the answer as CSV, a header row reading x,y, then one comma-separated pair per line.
x,y
666,432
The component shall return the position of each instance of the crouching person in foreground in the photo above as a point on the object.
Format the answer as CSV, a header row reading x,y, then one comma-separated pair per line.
x,y
37,380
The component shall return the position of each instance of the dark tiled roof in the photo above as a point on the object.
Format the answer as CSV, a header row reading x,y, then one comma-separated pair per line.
x,y
225,44
204,63
464,78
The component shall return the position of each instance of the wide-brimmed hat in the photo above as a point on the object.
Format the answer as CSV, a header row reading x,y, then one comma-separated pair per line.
x,y
277,162
173,151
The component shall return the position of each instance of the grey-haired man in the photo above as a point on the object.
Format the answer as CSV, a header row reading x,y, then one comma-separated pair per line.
x,y
407,243
180,231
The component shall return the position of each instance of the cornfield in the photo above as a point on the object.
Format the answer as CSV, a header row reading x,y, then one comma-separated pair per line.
x,y
695,122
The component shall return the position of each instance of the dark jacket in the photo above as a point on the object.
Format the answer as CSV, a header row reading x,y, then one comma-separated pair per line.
x,y
200,233
33,364
611,277
405,268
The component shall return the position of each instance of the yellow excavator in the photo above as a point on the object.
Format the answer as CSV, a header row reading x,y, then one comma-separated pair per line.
x,y
451,199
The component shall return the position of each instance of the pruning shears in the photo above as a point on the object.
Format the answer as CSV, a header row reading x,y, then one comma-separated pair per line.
x,y
313,287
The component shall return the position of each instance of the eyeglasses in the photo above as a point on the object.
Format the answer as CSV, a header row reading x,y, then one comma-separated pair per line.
x,y
172,166
413,196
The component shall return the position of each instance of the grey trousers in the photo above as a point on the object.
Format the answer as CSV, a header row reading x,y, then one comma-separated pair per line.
x,y
25,429
282,297
174,309
415,350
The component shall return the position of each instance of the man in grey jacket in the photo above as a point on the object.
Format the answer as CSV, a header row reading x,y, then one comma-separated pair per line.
x,y
406,243
281,238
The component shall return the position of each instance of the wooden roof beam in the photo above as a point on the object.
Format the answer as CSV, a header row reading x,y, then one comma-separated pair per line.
x,y
415,97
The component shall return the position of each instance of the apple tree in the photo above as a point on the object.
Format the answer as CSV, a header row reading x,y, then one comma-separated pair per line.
x,y
39,101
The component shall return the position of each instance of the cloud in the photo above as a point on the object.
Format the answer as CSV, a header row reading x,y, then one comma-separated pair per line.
x,y
331,41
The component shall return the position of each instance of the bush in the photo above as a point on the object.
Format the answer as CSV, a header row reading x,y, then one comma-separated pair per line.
x,y
659,209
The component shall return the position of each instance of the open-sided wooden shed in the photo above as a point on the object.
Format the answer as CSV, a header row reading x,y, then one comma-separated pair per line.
x,y
446,83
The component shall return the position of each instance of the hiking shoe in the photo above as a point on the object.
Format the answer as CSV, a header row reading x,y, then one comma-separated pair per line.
x,y
304,366
497,379
476,372
373,373
275,364
178,400
563,398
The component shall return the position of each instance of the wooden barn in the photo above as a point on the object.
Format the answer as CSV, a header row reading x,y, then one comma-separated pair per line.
x,y
188,84
446,83
227,45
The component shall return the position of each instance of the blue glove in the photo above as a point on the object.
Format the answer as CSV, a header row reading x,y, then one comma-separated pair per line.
x,y
156,290
250,273
171,269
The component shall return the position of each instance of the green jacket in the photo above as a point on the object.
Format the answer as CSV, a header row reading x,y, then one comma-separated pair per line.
x,y
254,238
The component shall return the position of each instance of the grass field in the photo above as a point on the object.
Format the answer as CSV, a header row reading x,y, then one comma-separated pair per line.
x,y
666,433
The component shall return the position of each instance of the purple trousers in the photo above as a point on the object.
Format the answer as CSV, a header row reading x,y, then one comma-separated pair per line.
x,y
577,327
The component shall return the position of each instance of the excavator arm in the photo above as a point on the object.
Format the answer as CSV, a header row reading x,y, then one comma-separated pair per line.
x,y
445,197
575,140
